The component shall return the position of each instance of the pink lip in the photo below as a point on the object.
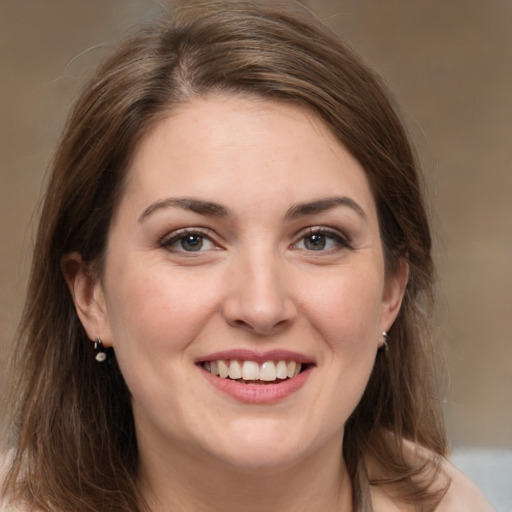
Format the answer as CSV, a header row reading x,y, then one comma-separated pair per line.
x,y
259,357
257,393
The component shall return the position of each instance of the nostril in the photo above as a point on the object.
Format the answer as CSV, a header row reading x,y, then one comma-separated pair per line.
x,y
260,327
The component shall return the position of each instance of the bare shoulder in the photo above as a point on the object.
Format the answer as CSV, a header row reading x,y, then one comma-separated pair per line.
x,y
6,504
462,495
4,465
459,493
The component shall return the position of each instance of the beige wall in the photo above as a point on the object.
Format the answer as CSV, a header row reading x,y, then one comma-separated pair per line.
x,y
450,66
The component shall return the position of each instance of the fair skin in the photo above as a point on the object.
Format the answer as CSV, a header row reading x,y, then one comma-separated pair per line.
x,y
245,233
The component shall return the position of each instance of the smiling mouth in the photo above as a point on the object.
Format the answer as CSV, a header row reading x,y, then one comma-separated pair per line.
x,y
251,372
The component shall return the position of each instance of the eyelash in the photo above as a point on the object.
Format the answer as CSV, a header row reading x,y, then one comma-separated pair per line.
x,y
175,237
341,242
180,236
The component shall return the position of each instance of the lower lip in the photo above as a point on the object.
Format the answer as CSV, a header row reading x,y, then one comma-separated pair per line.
x,y
258,393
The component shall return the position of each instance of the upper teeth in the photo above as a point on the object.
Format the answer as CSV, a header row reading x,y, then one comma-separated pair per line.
x,y
251,370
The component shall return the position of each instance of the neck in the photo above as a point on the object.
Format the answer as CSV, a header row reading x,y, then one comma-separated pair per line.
x,y
183,482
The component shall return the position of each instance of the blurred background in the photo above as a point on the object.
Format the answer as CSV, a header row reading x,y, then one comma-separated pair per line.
x,y
449,65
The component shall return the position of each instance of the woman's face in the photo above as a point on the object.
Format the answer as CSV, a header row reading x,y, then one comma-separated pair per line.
x,y
246,242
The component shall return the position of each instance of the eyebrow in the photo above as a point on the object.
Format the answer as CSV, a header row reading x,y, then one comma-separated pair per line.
x,y
322,205
217,210
190,204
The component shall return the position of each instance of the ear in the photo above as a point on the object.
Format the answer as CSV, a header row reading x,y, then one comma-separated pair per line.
x,y
393,294
88,296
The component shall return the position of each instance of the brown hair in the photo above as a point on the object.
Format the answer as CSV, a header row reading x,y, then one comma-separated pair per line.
x,y
73,433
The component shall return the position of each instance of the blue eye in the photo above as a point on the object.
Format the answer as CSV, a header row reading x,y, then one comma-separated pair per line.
x,y
321,241
188,242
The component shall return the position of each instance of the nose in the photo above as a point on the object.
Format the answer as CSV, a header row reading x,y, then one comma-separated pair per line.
x,y
258,298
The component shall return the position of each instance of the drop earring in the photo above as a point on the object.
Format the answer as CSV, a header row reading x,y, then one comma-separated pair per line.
x,y
385,339
100,350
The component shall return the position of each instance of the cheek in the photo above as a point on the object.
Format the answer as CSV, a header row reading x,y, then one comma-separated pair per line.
x,y
156,308
346,309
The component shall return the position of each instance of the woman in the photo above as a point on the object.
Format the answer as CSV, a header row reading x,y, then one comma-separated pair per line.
x,y
231,284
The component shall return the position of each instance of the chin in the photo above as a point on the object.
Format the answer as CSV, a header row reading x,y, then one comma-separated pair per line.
x,y
268,445
256,458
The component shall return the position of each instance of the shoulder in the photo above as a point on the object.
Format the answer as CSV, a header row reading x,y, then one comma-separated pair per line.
x,y
462,494
4,466
6,505
459,493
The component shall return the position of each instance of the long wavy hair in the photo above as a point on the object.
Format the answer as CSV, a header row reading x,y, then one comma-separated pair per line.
x,y
73,440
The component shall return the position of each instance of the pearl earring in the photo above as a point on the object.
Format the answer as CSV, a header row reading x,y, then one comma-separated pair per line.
x,y
385,339
100,350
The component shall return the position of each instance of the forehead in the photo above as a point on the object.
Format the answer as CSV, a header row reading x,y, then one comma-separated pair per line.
x,y
244,148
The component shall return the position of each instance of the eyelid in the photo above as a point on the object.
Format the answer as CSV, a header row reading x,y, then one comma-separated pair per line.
x,y
172,237
341,238
169,239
